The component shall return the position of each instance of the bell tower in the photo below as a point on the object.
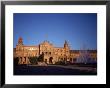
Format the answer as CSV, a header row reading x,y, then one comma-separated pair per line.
x,y
20,41
20,51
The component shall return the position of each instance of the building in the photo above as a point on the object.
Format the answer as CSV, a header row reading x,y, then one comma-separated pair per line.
x,y
51,53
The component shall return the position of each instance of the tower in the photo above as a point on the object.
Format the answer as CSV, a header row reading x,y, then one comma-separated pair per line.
x,y
19,46
21,54
67,49
66,45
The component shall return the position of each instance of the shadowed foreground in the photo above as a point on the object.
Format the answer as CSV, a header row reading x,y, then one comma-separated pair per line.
x,y
50,70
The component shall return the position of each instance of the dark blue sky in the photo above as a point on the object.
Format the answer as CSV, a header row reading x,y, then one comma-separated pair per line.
x,y
77,28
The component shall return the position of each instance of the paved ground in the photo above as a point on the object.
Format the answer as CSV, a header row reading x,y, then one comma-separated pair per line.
x,y
80,68
54,70
73,67
0,73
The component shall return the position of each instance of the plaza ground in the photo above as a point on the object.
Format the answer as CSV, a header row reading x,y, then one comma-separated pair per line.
x,y
54,70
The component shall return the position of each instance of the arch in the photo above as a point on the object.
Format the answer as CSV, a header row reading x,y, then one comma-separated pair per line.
x,y
71,60
25,59
50,60
74,59
45,60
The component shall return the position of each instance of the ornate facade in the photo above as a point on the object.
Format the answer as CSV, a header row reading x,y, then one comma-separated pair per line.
x,y
51,54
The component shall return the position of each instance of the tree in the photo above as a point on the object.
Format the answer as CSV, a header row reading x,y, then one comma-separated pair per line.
x,y
16,60
41,58
33,60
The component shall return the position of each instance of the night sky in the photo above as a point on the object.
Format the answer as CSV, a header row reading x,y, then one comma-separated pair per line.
x,y
77,28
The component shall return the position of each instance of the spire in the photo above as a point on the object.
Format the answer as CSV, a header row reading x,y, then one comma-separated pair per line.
x,y
65,44
20,41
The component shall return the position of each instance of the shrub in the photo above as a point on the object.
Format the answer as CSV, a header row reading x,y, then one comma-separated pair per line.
x,y
60,63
